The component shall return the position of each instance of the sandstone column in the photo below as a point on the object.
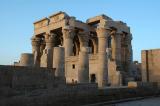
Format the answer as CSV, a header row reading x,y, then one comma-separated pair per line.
x,y
102,69
128,52
130,47
83,69
118,48
26,59
42,46
113,46
36,50
58,61
68,34
83,38
47,57
95,46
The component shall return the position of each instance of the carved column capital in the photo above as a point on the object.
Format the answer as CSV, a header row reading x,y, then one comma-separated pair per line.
x,y
35,41
84,38
68,32
115,34
49,39
103,32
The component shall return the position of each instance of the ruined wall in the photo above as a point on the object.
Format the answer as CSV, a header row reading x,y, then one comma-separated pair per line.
x,y
114,76
81,94
71,69
72,65
93,69
150,65
26,77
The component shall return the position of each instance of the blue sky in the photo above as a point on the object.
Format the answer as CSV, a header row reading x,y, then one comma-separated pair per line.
x,y
17,17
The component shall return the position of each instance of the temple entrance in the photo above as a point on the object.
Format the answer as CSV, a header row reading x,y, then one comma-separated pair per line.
x,y
93,78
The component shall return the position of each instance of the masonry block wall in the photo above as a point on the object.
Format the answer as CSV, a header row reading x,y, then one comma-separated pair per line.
x,y
150,65
26,77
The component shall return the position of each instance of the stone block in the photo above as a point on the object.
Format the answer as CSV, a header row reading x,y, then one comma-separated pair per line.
x,y
132,84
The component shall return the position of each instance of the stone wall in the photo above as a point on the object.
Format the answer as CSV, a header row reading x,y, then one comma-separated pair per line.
x,y
71,69
93,69
72,65
115,77
29,86
81,94
26,77
150,65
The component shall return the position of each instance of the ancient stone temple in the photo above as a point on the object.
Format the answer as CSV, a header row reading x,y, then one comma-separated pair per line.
x,y
98,50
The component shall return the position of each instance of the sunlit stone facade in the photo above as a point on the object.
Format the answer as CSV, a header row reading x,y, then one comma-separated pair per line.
x,y
98,50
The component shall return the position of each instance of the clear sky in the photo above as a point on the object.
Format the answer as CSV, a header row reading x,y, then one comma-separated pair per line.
x,y
17,17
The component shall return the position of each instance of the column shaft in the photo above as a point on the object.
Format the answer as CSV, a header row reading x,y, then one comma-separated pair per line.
x,y
58,61
118,48
47,57
68,35
102,57
95,46
68,44
83,70
113,46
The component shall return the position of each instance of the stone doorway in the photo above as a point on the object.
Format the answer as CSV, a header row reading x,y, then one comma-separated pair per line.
x,y
93,78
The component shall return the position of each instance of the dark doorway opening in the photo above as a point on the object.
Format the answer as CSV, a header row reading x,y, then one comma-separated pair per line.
x,y
90,44
93,78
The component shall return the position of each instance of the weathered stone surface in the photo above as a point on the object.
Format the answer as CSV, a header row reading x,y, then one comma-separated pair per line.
x,y
59,62
27,59
106,40
26,77
132,84
150,65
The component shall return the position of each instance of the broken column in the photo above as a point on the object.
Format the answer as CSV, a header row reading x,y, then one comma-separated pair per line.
x,y
26,59
102,34
58,61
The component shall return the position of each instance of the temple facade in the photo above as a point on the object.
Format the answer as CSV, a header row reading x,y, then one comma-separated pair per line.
x,y
96,51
